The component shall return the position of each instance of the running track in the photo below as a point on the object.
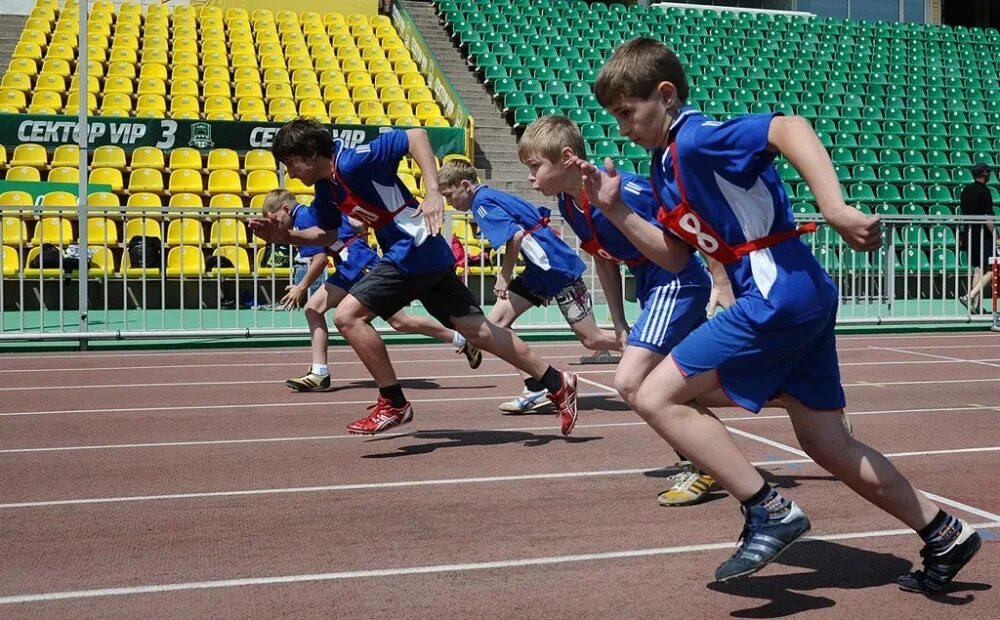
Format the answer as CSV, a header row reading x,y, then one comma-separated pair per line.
x,y
193,484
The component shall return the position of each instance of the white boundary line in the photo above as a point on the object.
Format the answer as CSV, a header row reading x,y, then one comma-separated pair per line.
x,y
527,429
362,486
943,358
381,573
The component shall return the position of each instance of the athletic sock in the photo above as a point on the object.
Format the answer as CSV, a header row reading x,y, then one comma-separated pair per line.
x,y
458,340
552,380
776,504
941,533
533,385
320,369
394,393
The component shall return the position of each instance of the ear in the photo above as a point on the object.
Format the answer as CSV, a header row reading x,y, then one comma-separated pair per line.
x,y
668,91
567,153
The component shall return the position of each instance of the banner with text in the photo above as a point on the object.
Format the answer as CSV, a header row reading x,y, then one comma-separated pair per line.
x,y
132,133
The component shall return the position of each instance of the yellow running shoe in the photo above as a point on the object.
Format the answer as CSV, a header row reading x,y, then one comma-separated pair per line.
x,y
309,382
690,486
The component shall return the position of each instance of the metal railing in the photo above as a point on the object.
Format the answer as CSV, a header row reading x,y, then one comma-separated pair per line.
x,y
920,275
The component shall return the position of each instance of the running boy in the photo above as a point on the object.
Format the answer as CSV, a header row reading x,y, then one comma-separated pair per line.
x,y
416,263
552,268
671,304
719,191
353,258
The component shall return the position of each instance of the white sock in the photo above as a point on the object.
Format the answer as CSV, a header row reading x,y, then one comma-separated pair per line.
x,y
320,369
458,340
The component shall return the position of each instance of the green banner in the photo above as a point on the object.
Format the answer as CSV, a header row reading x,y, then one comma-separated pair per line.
x,y
39,189
451,102
166,134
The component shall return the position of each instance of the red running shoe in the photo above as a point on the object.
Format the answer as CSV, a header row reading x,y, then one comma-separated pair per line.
x,y
565,402
383,417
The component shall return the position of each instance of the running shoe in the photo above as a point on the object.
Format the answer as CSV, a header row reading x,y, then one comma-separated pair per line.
x,y
763,539
472,354
384,416
690,486
309,382
940,569
565,402
528,401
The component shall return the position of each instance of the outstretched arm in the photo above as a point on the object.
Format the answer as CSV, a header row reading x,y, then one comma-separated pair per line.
x,y
604,191
432,206
794,137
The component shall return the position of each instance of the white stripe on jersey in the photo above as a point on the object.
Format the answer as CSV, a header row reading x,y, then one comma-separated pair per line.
x,y
633,188
754,210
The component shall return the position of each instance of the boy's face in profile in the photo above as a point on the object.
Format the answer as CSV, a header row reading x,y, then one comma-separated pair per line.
x,y
282,217
459,196
309,170
645,121
547,176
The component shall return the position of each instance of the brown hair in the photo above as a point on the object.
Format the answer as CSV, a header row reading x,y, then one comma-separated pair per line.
x,y
278,199
455,171
636,68
548,136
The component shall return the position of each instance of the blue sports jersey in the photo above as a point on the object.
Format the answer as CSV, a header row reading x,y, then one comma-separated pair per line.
x,y
351,259
637,195
500,216
730,181
369,171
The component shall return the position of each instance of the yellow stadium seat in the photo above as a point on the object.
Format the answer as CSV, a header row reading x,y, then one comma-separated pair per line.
x,y
215,60
107,176
219,116
221,202
59,204
398,109
186,200
237,256
336,92
184,87
223,159
129,271
259,159
281,107
41,109
153,86
348,65
156,36
298,187
330,77
102,264
372,55
116,101
272,61
121,85
33,36
244,61
359,78
101,231
55,230
224,182
185,231
185,158
248,106
213,46
93,84
64,174
347,119
27,50
300,62
406,121
436,121
106,204
185,181
219,104
146,157
304,76
145,204
426,110
96,55
364,93
109,156
183,58
25,66
420,94
13,100
228,231
276,74
60,51
393,93
3,156
412,80
152,106
370,108
405,66
384,79
41,25
121,69
13,230
67,39
385,30
16,81
48,98
378,119
278,90
116,112
23,173
145,180
217,88
253,117
30,155
185,72
154,71
23,200
185,261
73,103
314,108
308,91
185,105
261,181
35,272
326,63
142,227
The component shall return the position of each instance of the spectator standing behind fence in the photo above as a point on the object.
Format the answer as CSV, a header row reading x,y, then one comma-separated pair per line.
x,y
980,240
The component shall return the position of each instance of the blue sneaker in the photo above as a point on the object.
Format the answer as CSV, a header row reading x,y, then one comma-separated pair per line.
x,y
940,569
526,402
762,541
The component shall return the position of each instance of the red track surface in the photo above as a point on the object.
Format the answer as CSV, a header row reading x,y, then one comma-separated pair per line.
x,y
199,468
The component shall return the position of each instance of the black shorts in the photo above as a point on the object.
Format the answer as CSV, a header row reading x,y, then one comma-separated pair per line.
x,y
981,249
385,291
574,299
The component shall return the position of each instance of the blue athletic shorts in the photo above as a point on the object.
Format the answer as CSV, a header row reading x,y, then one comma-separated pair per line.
x,y
338,280
758,363
669,313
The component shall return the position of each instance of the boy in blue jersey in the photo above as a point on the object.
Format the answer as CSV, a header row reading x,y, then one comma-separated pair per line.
x,y
719,191
353,259
552,268
671,304
416,264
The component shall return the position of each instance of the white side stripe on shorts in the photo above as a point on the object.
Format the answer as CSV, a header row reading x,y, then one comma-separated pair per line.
x,y
660,313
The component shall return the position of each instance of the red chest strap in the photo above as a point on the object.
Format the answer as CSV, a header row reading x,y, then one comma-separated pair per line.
x,y
542,223
593,245
683,221
367,213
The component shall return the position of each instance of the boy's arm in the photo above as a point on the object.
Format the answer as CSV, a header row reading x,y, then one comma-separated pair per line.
x,y
511,251
294,292
603,188
794,137
432,206
273,232
610,276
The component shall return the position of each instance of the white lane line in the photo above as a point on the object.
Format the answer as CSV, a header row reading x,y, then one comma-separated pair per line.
x,y
381,573
596,384
943,358
526,429
423,483
943,500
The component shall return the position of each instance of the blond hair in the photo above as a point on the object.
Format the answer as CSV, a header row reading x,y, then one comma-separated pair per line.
x,y
278,199
636,68
453,172
548,136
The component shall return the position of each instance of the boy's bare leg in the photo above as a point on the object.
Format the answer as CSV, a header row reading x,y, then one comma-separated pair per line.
x,y
823,436
505,311
501,342
353,320
320,302
410,324
594,337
